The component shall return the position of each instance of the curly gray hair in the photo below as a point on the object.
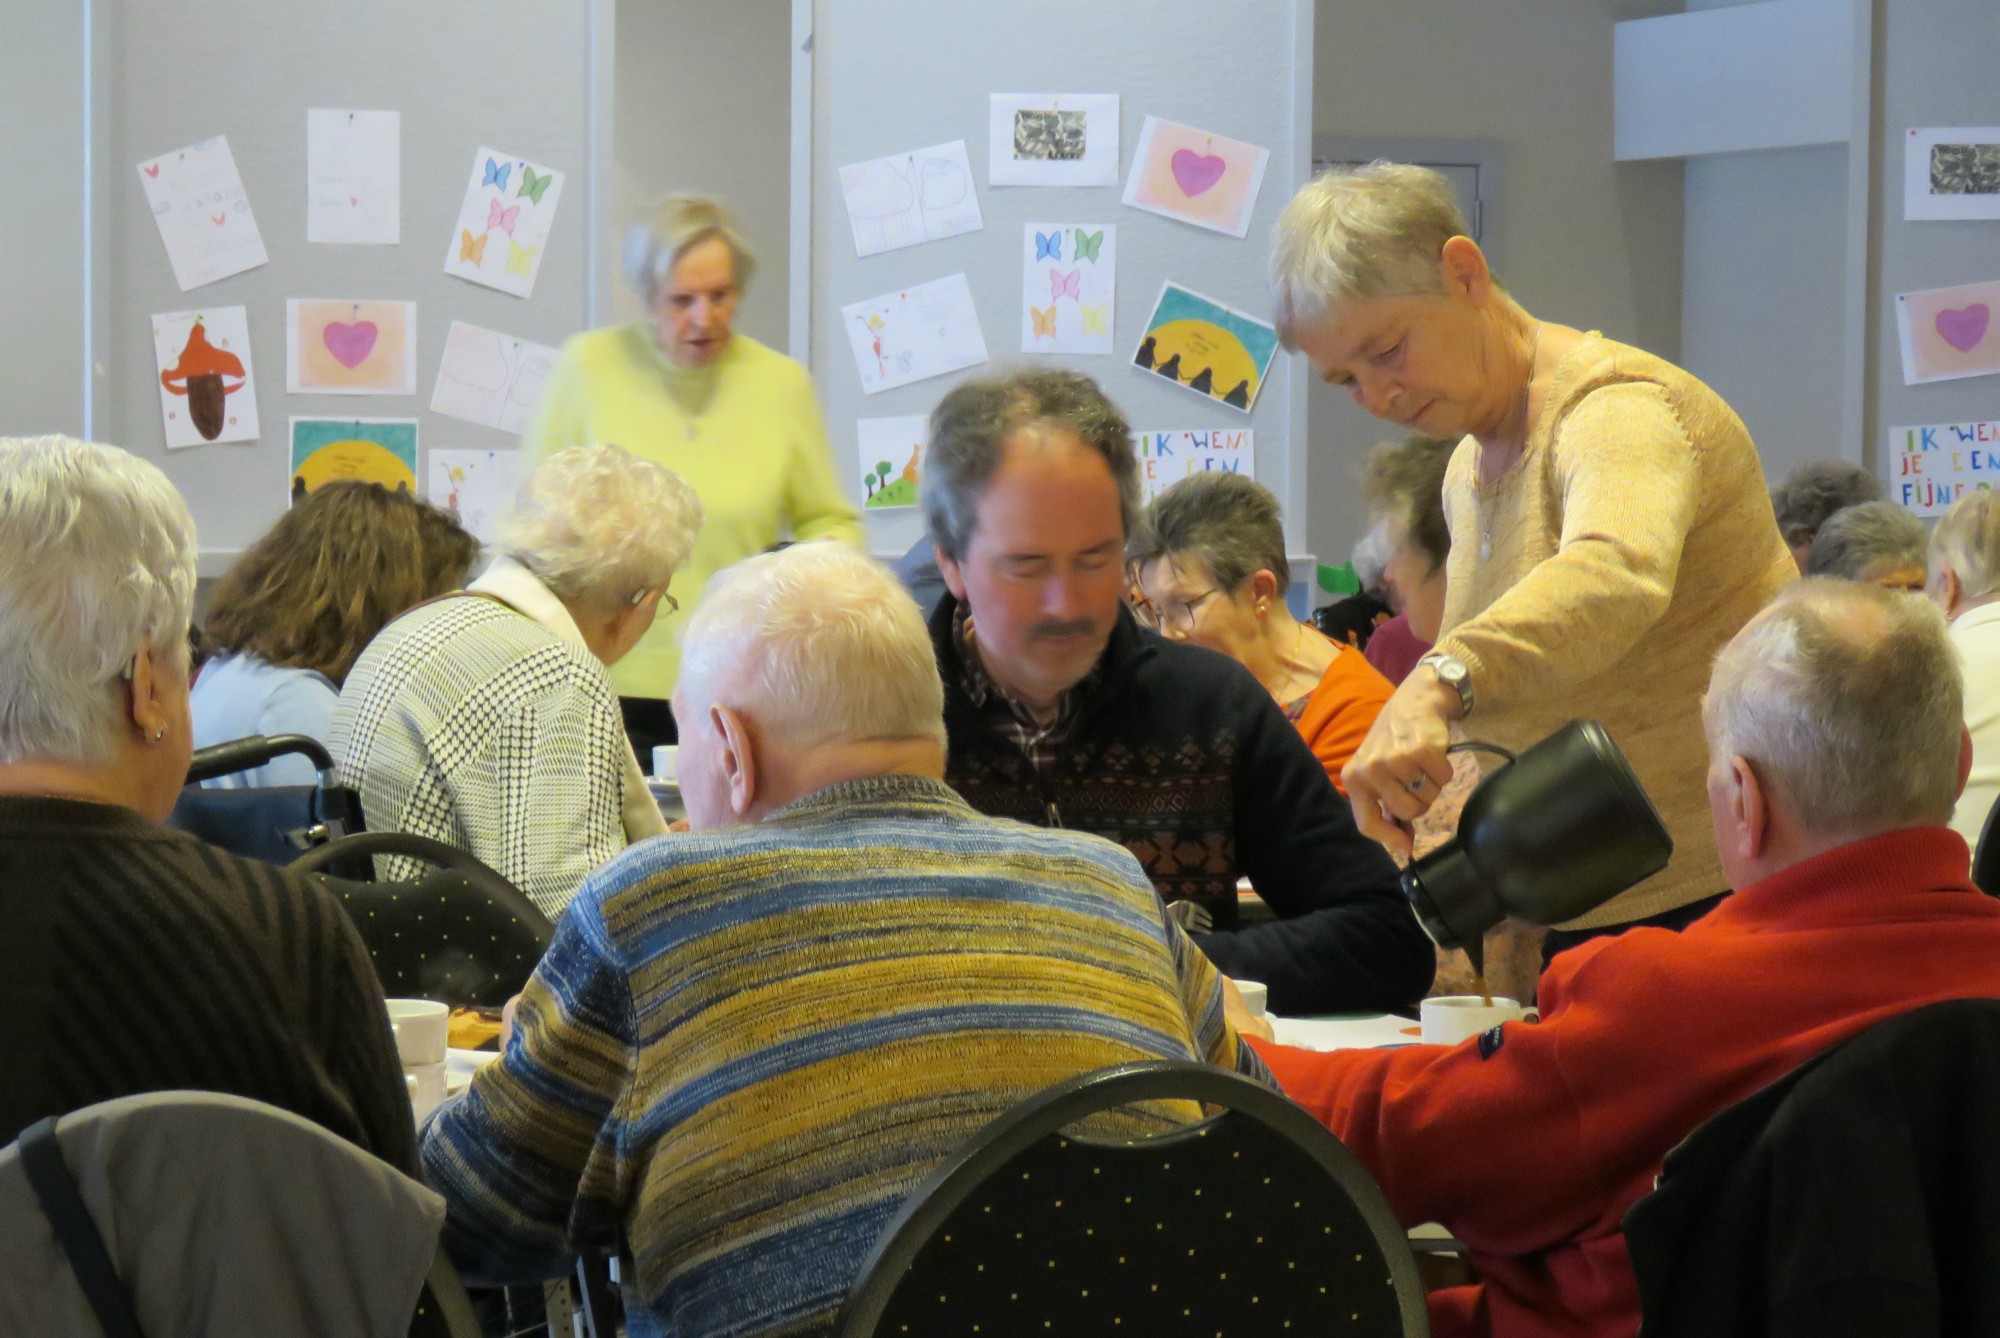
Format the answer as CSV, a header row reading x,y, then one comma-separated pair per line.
x,y
601,527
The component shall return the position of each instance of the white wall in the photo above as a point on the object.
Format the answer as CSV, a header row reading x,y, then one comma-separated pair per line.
x,y
41,217
1764,309
1577,238
703,98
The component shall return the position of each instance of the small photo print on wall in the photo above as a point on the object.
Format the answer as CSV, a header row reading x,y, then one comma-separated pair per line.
x,y
1952,173
1052,139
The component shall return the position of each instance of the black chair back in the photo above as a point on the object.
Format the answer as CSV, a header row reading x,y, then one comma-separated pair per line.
x,y
1853,1197
460,934
1250,1221
269,823
1986,859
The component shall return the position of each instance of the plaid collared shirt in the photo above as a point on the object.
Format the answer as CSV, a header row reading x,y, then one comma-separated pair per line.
x,y
1039,741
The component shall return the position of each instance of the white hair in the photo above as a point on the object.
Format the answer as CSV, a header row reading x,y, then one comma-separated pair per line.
x,y
601,527
1967,540
657,242
1372,554
97,559
1847,699
1375,231
816,643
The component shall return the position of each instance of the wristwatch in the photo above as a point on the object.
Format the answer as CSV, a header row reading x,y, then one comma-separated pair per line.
x,y
1451,672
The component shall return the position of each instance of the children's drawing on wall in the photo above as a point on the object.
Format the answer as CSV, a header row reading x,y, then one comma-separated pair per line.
x,y
1052,139
354,177
207,391
203,213
890,452
909,198
914,333
1069,281
489,378
1165,458
1933,466
1949,333
1205,179
1207,347
338,347
503,222
374,450
475,486
1952,173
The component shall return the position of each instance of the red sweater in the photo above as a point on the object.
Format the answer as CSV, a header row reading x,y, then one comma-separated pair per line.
x,y
1531,1151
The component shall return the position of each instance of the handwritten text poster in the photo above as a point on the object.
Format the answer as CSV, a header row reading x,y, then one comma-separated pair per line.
x,y
1932,467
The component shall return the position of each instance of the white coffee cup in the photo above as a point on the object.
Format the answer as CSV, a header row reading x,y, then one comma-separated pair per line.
x,y
423,1030
1452,1018
1256,995
427,1084
667,762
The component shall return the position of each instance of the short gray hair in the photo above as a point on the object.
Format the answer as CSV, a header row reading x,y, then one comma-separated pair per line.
x,y
97,558
1847,699
1967,539
1353,236
816,643
1861,542
1229,522
973,424
1813,492
654,244
601,527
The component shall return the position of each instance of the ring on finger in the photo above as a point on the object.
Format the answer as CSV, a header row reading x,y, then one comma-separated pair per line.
x,y
1417,784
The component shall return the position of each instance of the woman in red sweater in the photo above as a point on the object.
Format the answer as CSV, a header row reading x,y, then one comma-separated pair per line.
x,y
1208,558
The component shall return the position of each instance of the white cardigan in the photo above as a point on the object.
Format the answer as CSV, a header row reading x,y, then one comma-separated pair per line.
x,y
487,724
1976,633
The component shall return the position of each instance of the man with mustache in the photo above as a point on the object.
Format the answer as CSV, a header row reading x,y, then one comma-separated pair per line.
x,y
1062,712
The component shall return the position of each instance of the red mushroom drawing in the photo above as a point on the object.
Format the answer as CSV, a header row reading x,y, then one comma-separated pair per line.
x,y
204,375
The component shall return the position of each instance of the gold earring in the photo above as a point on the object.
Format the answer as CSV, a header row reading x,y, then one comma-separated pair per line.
x,y
158,735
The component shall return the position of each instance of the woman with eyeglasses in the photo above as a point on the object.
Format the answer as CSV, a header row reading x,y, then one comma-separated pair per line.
x,y
487,720
1208,564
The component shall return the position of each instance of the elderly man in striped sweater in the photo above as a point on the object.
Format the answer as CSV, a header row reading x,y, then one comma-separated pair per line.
x,y
748,1044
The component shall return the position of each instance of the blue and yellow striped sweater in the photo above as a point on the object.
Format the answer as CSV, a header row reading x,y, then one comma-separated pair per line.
x,y
745,1047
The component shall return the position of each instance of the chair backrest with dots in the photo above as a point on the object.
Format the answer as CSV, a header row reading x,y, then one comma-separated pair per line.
x,y
1255,1221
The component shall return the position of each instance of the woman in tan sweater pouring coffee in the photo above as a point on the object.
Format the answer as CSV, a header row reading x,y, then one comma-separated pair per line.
x,y
1610,524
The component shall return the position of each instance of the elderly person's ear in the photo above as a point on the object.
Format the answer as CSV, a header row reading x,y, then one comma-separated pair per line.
x,y
154,687
737,758
1465,269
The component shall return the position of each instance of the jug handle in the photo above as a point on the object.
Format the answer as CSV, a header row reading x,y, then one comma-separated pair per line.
x,y
1475,746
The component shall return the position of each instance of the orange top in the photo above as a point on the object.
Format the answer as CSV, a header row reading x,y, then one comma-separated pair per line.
x,y
1336,716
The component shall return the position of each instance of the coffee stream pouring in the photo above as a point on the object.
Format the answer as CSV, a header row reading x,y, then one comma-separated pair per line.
x,y
1554,834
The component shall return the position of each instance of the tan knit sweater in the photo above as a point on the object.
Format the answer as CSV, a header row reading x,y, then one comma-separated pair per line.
x,y
1598,576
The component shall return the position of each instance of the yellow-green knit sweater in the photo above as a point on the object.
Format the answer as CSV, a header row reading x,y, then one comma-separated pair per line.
x,y
746,435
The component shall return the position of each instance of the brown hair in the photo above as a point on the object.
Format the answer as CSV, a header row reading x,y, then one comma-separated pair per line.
x,y
1405,479
314,591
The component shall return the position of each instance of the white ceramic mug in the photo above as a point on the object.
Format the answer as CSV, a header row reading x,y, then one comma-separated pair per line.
x,y
1452,1018
1256,994
667,762
427,1084
423,1030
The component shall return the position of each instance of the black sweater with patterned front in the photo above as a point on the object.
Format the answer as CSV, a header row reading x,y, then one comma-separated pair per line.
x,y
1180,756
138,959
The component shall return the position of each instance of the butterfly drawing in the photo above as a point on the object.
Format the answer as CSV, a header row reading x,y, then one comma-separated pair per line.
x,y
503,219
1065,285
521,259
1048,245
532,185
1093,318
472,248
496,174
1045,321
1087,245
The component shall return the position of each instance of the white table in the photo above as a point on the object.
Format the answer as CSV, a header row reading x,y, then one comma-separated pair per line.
x,y
1352,1032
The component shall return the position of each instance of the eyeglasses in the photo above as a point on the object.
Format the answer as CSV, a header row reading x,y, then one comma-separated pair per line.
x,y
1175,616
673,605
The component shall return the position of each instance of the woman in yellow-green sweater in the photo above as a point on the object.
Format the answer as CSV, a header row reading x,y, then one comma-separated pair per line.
x,y
1610,524
734,418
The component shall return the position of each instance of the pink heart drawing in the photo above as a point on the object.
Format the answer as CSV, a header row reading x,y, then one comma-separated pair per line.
x,y
350,345
1964,327
153,170
1196,172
